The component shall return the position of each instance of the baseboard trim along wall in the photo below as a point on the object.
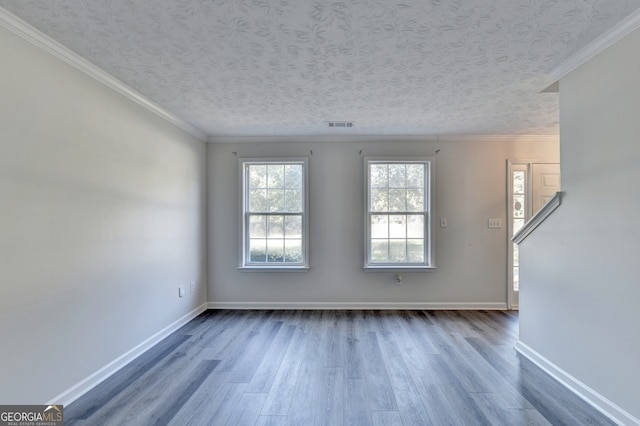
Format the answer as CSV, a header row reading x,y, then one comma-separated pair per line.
x,y
84,386
494,306
592,397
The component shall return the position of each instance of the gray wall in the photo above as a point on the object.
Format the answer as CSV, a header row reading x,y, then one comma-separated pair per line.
x,y
470,187
102,216
579,284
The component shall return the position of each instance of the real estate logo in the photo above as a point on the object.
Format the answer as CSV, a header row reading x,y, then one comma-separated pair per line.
x,y
31,415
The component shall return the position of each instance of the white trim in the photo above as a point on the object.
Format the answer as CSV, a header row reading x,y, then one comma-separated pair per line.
x,y
537,218
493,306
90,382
383,138
624,27
22,29
593,398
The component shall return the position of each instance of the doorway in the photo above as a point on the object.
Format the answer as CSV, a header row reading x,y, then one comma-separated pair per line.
x,y
530,185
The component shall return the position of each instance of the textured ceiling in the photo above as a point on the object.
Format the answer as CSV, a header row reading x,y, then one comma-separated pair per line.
x,y
286,67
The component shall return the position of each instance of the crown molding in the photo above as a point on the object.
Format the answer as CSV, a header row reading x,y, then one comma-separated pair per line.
x,y
623,28
22,29
382,138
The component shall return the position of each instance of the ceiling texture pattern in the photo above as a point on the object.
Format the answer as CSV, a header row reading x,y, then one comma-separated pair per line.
x,y
286,67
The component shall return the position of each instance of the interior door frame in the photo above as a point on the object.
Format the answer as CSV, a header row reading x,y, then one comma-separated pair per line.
x,y
513,165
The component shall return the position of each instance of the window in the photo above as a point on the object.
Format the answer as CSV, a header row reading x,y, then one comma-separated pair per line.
x,y
398,213
274,206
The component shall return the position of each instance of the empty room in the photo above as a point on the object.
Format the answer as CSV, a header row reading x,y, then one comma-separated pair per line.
x,y
273,212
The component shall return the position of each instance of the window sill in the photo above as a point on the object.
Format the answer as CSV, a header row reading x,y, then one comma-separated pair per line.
x,y
399,268
273,268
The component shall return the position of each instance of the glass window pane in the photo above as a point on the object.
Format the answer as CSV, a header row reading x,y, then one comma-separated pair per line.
x,y
378,176
275,175
415,200
275,250
379,250
276,200
257,250
397,178
398,226
293,176
415,226
518,206
516,255
257,227
293,200
398,250
258,200
397,200
516,279
517,225
415,250
379,226
257,176
379,200
275,226
415,176
518,182
293,251
293,226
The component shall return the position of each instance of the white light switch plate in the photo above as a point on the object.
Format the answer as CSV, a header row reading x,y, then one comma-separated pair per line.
x,y
180,291
495,223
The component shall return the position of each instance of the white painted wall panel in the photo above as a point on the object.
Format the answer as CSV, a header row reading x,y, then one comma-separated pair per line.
x,y
579,279
470,187
102,216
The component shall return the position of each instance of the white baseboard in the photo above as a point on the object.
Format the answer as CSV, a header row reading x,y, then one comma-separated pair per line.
x,y
84,386
357,305
592,397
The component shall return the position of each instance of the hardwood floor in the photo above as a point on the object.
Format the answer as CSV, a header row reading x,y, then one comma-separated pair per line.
x,y
310,367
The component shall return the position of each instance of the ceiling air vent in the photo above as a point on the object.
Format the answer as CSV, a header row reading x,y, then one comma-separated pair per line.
x,y
340,124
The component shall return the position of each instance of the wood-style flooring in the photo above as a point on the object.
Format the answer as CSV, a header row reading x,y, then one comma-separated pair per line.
x,y
314,367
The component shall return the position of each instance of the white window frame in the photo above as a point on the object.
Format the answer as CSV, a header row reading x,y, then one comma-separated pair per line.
x,y
245,263
429,255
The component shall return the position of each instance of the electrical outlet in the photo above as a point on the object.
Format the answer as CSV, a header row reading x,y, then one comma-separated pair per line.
x,y
193,286
443,222
495,223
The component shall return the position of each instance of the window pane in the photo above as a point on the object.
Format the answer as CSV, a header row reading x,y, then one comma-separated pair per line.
x,y
415,226
275,227
293,226
398,250
276,200
293,176
517,225
378,176
257,227
398,226
415,176
293,251
257,176
275,250
379,226
415,200
275,175
397,199
415,250
518,182
379,200
293,200
397,178
257,250
258,200
518,206
379,250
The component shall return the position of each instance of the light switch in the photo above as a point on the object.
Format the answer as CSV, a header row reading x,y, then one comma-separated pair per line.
x,y
443,222
495,223
181,291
